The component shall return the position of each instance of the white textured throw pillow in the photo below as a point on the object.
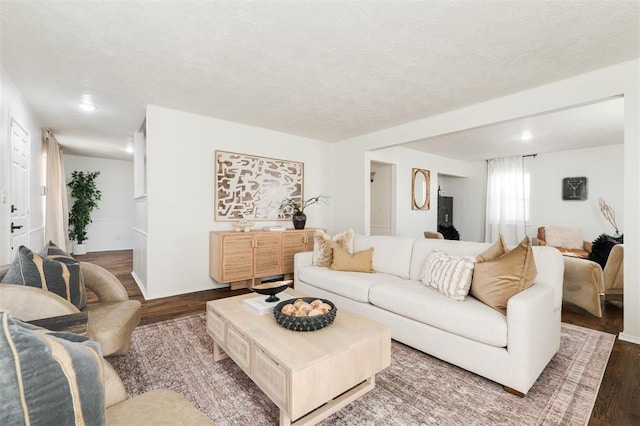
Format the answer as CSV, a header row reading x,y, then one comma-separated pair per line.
x,y
450,275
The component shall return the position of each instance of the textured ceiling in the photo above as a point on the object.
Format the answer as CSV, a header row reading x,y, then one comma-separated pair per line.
x,y
328,70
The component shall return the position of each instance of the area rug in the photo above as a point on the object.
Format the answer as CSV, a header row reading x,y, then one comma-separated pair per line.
x,y
416,389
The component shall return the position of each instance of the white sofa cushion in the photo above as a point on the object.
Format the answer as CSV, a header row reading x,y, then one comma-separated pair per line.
x,y
423,248
470,318
449,274
354,285
391,255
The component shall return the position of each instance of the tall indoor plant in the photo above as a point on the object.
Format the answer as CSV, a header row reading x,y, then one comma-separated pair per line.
x,y
86,194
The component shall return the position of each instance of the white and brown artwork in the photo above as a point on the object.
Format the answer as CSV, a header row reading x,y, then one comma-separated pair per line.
x,y
252,187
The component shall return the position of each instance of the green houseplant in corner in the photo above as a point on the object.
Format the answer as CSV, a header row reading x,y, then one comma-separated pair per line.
x,y
86,194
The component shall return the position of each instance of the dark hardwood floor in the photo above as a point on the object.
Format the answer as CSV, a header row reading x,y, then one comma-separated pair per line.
x,y
618,401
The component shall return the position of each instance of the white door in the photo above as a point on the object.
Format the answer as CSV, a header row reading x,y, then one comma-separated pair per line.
x,y
19,196
382,199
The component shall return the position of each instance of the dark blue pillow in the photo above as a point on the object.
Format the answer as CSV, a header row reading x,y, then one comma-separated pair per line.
x,y
55,272
49,378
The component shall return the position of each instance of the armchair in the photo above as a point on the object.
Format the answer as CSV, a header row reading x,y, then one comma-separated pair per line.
x,y
585,281
567,239
156,407
111,320
434,235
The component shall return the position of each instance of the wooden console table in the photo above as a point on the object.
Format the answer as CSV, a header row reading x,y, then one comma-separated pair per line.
x,y
243,258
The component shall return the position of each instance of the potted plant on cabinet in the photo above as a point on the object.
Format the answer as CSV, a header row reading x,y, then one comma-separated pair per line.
x,y
86,194
295,207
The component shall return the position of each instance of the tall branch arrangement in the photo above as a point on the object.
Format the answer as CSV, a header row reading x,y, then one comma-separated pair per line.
x,y
608,213
295,205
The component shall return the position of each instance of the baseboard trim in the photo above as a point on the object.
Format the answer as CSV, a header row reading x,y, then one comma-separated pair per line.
x,y
139,284
628,338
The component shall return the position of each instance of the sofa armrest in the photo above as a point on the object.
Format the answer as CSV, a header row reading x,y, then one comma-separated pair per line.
x,y
103,283
31,303
533,334
300,260
583,283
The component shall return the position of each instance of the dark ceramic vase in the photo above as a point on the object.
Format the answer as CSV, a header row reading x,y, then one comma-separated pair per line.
x,y
299,220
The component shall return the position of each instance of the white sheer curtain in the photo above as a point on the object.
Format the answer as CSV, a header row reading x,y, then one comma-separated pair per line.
x,y
507,200
57,209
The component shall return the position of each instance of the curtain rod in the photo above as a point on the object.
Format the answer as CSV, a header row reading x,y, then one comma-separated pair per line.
x,y
524,156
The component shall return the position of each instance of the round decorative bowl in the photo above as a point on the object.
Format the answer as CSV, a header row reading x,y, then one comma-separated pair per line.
x,y
311,323
271,289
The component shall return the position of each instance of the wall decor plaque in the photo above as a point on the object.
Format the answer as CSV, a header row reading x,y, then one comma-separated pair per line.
x,y
574,188
252,187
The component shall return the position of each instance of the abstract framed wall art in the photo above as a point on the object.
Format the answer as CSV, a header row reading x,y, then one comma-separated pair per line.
x,y
252,187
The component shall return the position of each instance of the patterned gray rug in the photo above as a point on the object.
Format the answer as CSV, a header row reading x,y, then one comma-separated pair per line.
x,y
416,389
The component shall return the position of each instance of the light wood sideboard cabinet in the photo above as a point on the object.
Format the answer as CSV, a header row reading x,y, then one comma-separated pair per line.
x,y
243,258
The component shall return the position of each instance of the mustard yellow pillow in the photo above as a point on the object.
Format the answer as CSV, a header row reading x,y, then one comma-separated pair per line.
x,y
361,261
323,245
496,281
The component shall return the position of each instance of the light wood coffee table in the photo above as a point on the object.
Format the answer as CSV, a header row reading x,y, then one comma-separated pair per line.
x,y
308,375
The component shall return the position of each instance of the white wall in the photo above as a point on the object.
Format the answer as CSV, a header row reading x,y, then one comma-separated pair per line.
x,y
604,169
180,188
412,223
13,105
112,224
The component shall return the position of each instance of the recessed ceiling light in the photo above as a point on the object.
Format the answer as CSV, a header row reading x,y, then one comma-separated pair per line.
x,y
86,104
130,148
526,135
87,107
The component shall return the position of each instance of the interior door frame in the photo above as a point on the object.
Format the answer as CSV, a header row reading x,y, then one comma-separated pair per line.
x,y
393,196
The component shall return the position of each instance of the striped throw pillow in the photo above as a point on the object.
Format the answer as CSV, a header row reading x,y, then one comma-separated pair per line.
x,y
54,272
49,378
450,275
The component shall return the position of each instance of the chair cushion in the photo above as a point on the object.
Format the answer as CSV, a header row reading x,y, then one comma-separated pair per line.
x,y
563,236
49,377
61,275
156,407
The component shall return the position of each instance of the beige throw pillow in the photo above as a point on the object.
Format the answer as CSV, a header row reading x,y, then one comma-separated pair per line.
x,y
323,245
450,275
496,250
361,261
495,281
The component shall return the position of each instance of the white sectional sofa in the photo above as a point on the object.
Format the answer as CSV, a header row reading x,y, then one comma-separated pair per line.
x,y
511,350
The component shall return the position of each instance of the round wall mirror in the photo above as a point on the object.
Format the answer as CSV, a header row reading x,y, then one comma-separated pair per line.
x,y
420,182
